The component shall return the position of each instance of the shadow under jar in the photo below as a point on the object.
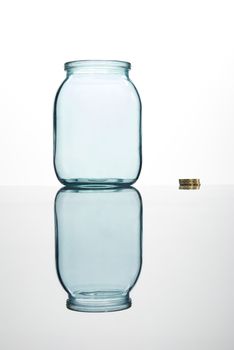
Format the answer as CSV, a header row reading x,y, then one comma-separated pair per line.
x,y
97,125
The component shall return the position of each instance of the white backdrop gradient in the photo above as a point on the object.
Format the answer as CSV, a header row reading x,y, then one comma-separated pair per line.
x,y
182,55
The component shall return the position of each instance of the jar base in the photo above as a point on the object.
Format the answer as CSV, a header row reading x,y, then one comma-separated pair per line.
x,y
98,301
105,182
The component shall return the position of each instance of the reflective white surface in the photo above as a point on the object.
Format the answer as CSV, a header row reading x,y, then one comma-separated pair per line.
x,y
184,298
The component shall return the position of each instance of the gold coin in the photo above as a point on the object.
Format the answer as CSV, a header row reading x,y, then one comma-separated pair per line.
x,y
189,182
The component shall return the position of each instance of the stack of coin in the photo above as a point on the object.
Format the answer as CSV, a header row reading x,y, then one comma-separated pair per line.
x,y
189,184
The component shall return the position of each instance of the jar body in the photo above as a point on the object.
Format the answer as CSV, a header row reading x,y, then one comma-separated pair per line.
x,y
98,246
97,127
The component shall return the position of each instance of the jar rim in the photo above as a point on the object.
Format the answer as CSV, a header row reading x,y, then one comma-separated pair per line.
x,y
97,64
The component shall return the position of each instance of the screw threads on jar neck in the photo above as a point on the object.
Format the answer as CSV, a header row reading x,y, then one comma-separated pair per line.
x,y
97,66
99,302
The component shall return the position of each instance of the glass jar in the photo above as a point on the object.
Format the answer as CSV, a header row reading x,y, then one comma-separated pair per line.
x,y
97,125
98,246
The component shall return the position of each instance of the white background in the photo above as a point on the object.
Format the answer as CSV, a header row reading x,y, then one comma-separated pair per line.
x,y
182,55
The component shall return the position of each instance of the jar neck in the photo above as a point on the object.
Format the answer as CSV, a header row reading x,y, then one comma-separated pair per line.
x,y
98,67
99,301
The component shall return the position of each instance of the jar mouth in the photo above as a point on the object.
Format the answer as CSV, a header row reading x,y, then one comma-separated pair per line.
x,y
97,64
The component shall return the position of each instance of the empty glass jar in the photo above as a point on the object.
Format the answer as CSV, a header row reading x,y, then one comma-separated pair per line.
x,y
97,125
98,246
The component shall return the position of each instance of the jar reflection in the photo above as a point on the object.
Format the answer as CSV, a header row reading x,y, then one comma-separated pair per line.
x,y
98,246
